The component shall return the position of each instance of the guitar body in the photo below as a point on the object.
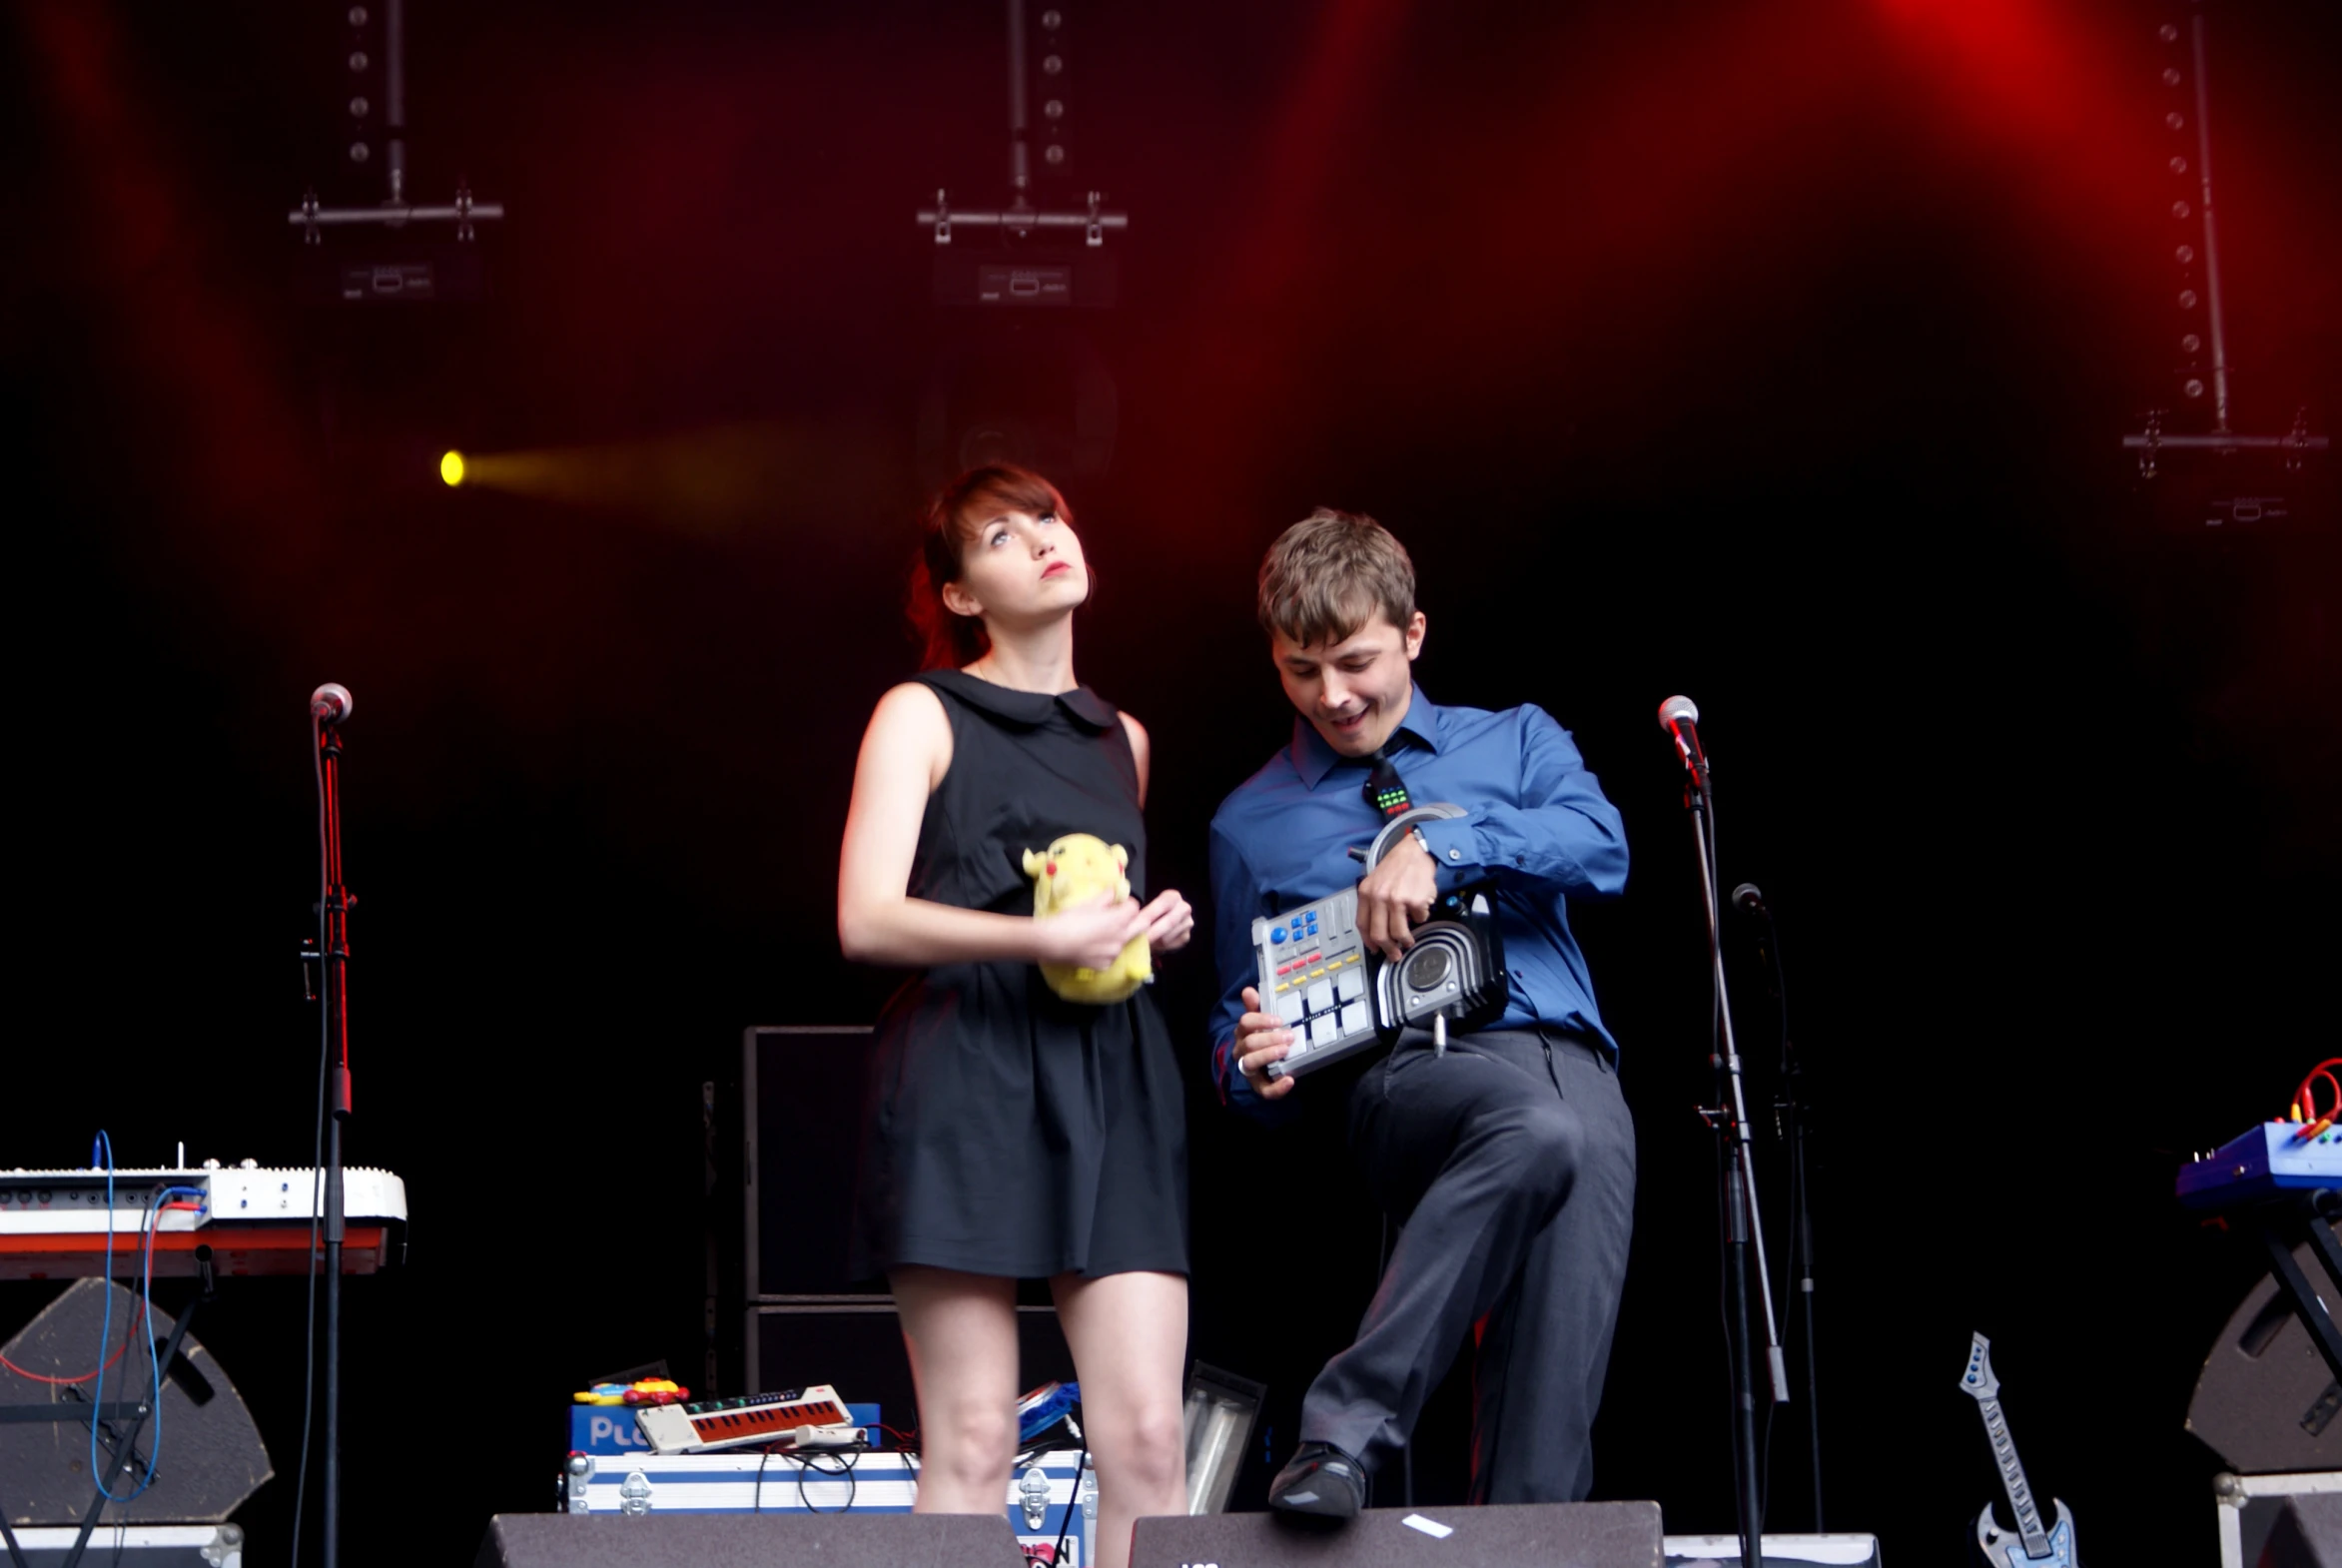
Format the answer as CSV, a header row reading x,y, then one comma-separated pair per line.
x,y
2006,1548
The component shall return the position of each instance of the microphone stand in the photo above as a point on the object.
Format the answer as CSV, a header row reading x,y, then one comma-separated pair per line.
x,y
1736,1169
1790,1122
333,944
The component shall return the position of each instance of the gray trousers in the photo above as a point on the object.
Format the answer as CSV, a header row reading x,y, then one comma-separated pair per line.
x,y
1510,1165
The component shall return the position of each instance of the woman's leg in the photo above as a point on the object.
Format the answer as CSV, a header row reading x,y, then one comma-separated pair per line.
x,y
961,1331
1128,1335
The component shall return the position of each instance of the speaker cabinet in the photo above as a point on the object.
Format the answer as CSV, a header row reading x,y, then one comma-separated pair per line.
x,y
211,1457
1537,1535
801,1092
2266,1402
899,1540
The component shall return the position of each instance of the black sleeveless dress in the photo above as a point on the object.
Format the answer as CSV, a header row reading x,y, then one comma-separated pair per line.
x,y
1009,1132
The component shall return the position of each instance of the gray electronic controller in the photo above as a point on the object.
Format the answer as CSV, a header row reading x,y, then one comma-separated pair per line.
x,y
1316,972
1312,974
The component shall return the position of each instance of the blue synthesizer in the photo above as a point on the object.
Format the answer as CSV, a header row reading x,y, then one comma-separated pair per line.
x,y
2273,1158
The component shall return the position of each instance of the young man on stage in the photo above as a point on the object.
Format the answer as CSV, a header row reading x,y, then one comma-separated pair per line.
x,y
1509,1160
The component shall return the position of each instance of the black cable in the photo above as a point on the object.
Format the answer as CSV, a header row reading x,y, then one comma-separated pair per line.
x,y
845,1468
846,1458
1072,1502
15,1552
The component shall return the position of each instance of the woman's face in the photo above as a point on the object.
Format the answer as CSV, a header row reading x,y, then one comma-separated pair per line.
x,y
1017,567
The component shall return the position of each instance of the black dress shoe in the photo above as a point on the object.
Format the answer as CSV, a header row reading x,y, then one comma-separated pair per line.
x,y
1320,1481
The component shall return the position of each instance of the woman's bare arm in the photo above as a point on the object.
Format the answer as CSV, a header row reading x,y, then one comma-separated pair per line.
x,y
1169,921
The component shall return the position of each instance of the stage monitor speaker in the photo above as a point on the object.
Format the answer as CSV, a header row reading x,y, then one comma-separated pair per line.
x,y
211,1457
2266,1402
1781,1551
1533,1535
731,1540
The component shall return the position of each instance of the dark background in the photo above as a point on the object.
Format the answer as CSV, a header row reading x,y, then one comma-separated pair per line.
x,y
1774,353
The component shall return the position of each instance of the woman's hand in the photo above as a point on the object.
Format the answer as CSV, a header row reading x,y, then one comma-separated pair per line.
x,y
1090,933
1170,921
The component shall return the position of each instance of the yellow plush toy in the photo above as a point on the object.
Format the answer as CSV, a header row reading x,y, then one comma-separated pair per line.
x,y
1078,867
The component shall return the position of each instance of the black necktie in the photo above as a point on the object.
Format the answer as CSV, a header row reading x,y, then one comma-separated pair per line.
x,y
1384,790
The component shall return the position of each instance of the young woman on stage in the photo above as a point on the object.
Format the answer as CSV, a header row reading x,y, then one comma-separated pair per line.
x,y
1013,1134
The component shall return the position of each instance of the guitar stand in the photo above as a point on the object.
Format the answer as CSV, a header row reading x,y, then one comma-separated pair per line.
x,y
2280,1226
120,1446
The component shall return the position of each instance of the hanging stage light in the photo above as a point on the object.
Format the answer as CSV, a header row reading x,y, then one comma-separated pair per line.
x,y
1017,377
393,265
2218,464
451,468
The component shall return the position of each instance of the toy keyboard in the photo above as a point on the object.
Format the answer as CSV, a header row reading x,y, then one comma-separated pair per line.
x,y
800,1417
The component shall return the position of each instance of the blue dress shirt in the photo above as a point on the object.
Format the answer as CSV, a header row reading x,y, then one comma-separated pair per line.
x,y
1536,822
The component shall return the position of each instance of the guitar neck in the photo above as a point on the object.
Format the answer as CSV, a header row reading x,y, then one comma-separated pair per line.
x,y
2021,1496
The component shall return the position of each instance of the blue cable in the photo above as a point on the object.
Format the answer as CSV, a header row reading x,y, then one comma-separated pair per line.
x,y
153,1223
103,1144
102,1155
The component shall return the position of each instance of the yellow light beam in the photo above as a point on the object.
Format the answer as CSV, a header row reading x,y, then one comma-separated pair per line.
x,y
713,483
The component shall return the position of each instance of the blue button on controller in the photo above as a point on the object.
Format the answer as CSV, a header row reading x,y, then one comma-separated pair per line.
x,y
1278,935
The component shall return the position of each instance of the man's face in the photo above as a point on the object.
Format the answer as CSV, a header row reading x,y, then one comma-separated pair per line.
x,y
1353,692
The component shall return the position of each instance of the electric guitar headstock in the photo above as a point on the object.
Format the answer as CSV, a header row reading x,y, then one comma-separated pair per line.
x,y
1977,1382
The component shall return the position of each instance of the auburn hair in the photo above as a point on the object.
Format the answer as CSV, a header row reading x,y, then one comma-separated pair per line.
x,y
1327,575
948,639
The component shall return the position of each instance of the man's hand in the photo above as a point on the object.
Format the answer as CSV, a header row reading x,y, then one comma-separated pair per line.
x,y
1261,1038
1396,896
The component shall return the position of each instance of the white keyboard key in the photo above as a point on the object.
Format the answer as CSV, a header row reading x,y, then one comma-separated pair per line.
x,y
1353,1017
1289,1007
1320,996
1351,984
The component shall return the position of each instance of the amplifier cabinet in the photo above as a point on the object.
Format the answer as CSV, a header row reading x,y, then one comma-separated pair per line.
x,y
1040,1494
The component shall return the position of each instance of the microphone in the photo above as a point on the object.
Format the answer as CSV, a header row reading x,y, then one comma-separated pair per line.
x,y
1680,717
1747,900
329,704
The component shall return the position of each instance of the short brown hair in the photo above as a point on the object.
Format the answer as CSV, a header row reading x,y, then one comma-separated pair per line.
x,y
949,640
1327,575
